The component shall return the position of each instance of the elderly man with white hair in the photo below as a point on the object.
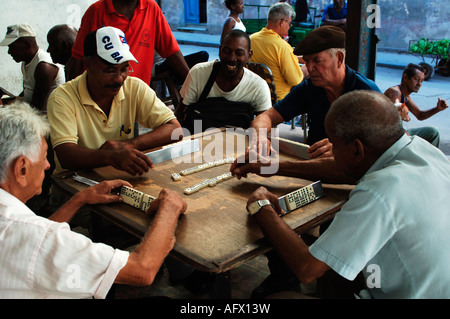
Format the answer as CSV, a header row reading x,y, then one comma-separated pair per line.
x,y
43,258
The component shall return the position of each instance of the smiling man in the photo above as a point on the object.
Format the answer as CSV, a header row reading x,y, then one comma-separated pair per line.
x,y
92,117
323,50
233,82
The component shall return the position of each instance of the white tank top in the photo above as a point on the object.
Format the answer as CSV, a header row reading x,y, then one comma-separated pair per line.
x,y
28,74
239,25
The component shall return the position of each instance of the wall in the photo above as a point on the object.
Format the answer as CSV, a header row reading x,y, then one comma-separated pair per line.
x,y
401,20
42,15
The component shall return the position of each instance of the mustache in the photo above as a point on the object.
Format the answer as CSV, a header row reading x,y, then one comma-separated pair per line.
x,y
114,86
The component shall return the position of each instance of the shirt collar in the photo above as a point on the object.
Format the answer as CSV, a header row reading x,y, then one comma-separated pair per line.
x,y
110,7
392,152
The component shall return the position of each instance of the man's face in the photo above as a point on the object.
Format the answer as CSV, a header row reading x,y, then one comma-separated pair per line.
x,y
18,50
415,82
55,50
234,54
339,4
322,68
106,79
342,152
37,171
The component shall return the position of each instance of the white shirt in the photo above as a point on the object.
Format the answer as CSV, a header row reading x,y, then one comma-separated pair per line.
x,y
40,258
252,89
28,74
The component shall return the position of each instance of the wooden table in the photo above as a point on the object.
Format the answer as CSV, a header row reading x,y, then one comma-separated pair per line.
x,y
216,233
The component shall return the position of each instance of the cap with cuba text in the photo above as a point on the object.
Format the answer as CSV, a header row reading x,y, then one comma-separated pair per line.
x,y
109,44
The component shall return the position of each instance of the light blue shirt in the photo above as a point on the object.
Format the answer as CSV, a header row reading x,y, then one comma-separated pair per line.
x,y
397,219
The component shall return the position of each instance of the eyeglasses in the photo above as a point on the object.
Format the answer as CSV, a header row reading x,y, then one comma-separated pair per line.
x,y
290,23
110,73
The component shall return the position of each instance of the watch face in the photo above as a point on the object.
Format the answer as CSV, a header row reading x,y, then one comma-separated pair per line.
x,y
253,207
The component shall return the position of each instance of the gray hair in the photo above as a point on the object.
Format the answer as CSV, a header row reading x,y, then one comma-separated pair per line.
x,y
368,116
279,11
21,130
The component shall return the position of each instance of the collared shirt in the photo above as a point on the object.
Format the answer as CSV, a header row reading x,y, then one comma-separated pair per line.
x,y
146,32
75,118
270,49
310,99
40,258
396,223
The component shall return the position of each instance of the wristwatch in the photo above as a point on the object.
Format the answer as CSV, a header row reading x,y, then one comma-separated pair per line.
x,y
254,207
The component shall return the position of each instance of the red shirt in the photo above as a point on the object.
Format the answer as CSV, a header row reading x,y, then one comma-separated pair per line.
x,y
146,32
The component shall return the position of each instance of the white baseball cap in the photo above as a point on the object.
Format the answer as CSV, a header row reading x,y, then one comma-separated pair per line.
x,y
108,43
14,32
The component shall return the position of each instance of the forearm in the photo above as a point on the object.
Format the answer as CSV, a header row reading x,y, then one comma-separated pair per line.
x,y
74,157
289,246
144,263
160,136
178,63
66,212
423,115
323,169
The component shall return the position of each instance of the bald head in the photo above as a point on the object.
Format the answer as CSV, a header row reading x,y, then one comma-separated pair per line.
x,y
365,115
60,40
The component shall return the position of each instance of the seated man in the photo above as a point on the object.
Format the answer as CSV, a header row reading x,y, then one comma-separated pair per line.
x,y
335,14
65,264
92,117
40,75
271,49
233,82
323,50
60,40
402,247
412,79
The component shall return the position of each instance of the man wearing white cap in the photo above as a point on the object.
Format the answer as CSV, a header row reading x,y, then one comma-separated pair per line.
x,y
92,117
40,75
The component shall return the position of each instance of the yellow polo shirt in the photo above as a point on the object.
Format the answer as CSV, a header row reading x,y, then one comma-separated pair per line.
x,y
270,49
75,118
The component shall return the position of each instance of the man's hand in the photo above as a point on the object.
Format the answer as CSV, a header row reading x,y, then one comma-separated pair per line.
x,y
131,161
441,104
97,194
170,200
102,192
250,162
322,148
263,193
261,145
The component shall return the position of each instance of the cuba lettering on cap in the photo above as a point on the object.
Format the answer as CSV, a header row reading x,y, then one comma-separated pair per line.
x,y
112,46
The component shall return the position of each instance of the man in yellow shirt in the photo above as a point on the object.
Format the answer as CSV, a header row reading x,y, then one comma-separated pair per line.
x,y
92,117
271,49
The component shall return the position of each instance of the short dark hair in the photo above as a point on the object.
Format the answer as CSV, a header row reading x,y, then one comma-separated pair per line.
x,y
229,3
235,33
410,70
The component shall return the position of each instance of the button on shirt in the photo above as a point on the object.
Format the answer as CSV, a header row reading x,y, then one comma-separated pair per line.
x,y
397,222
40,258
